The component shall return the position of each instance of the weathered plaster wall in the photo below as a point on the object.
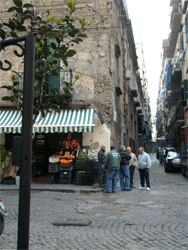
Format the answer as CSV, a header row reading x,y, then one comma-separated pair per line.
x,y
100,136
95,63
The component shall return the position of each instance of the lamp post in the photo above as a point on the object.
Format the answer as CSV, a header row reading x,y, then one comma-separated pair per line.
x,y
22,153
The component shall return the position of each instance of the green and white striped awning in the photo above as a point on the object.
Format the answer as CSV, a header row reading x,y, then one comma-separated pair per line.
x,y
66,121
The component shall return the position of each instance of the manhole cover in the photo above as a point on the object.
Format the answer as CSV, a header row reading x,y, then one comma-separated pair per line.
x,y
73,222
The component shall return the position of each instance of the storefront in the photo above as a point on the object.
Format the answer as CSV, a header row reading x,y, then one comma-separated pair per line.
x,y
69,132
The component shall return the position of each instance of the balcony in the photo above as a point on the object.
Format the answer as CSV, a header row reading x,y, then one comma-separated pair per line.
x,y
178,119
184,5
175,22
134,93
174,2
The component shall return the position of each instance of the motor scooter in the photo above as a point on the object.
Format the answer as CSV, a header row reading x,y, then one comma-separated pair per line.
x,y
3,213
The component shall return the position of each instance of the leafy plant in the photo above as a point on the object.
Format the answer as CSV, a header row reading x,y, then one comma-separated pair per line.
x,y
54,40
5,157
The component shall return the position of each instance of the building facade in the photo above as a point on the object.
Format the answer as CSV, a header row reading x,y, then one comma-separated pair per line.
x,y
172,95
107,64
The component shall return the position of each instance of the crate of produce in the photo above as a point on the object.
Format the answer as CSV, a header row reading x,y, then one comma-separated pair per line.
x,y
82,155
65,168
53,167
65,174
79,177
65,181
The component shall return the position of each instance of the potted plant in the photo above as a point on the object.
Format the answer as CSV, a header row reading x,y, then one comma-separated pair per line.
x,y
7,171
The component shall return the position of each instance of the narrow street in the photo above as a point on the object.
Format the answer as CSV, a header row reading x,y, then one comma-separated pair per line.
x,y
155,219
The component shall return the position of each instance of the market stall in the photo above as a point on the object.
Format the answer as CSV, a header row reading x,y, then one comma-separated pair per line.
x,y
73,164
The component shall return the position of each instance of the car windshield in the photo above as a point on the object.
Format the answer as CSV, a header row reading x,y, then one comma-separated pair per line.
x,y
172,154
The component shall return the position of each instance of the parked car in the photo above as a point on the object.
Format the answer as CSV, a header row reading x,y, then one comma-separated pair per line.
x,y
168,149
172,161
184,161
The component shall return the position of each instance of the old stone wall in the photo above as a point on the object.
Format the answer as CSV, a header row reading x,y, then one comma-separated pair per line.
x,y
95,61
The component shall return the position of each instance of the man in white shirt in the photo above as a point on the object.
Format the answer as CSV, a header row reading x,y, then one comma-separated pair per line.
x,y
132,165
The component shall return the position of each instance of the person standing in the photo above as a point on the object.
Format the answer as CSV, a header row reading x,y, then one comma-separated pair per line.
x,y
132,165
112,165
161,152
144,163
102,172
124,169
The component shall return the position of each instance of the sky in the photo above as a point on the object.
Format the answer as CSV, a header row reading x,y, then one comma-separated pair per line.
x,y
150,21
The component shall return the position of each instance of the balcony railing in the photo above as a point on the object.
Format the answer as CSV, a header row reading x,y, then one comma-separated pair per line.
x,y
178,118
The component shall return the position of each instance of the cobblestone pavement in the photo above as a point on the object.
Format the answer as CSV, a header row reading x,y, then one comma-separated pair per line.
x,y
155,219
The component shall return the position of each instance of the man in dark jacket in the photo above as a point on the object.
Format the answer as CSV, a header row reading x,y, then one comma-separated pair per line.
x,y
102,172
112,164
124,169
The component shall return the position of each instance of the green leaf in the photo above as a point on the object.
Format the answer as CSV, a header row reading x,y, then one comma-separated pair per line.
x,y
16,83
82,35
12,25
12,98
54,73
62,98
2,34
78,40
12,9
27,12
7,87
70,53
27,5
54,61
65,62
43,113
16,91
21,28
57,100
18,3
52,91
6,98
66,91
53,45
58,39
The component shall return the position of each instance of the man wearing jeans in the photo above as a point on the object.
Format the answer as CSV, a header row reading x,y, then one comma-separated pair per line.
x,y
124,169
132,165
144,163
112,165
102,172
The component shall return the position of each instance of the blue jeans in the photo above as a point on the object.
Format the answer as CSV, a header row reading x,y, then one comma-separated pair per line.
x,y
161,159
144,177
112,176
124,177
131,169
102,176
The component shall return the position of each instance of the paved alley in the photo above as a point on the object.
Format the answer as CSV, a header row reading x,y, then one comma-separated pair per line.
x,y
155,219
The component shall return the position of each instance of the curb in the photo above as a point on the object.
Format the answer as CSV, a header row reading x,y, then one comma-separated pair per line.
x,y
63,190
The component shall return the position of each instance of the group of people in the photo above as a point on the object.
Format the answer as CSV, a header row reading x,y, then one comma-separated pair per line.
x,y
123,163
